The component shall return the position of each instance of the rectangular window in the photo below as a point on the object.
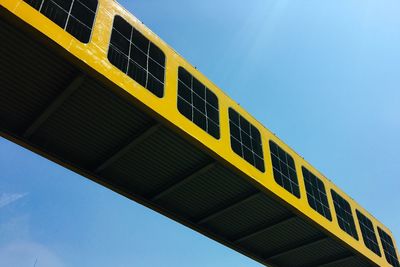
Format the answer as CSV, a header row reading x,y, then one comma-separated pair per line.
x,y
316,194
344,215
198,103
284,169
136,56
388,248
246,140
74,16
368,233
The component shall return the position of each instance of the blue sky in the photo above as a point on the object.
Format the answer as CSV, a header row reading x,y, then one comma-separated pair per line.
x,y
323,75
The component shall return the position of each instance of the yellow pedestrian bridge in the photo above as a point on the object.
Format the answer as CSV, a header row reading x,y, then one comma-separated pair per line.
x,y
87,85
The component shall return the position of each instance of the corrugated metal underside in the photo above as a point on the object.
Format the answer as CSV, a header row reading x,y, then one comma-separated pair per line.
x,y
47,104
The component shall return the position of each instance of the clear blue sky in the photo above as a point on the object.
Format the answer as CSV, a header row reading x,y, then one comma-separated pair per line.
x,y
322,75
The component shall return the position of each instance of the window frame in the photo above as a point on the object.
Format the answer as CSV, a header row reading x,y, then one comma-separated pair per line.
x,y
356,235
147,71
263,166
66,24
296,193
358,215
380,233
192,104
329,218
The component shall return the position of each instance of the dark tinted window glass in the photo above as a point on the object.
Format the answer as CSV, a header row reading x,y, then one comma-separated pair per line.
x,y
74,16
284,169
368,233
246,140
316,194
344,215
198,103
388,248
136,56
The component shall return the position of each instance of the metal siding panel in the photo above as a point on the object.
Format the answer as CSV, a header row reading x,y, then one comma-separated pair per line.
x,y
284,235
24,99
212,190
152,165
307,256
90,126
349,262
248,217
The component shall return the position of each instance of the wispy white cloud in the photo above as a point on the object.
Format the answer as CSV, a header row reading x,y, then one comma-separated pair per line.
x,y
7,198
